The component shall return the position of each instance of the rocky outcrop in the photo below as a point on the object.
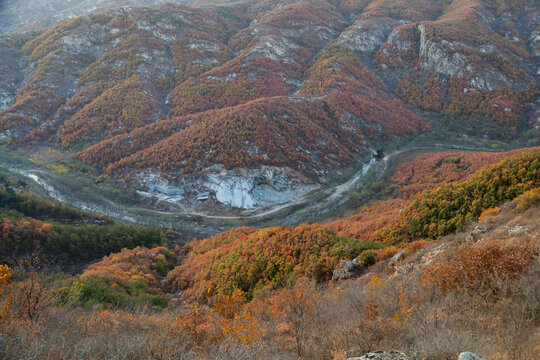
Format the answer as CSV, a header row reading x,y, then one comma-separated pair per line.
x,y
454,58
476,234
493,56
367,35
347,269
243,189
514,230
400,255
385,355
469,356
435,55
398,355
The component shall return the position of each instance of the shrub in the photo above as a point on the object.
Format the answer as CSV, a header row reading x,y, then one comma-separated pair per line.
x,y
449,208
5,304
528,199
481,267
386,253
127,278
488,212
416,246
367,257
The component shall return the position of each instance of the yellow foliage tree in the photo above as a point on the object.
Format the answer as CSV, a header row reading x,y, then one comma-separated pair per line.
x,y
227,317
5,304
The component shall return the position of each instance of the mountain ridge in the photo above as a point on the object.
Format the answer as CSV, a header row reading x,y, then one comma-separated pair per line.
x,y
309,87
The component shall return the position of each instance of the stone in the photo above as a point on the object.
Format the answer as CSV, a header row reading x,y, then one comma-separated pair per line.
x,y
400,255
385,355
346,270
518,229
469,356
480,229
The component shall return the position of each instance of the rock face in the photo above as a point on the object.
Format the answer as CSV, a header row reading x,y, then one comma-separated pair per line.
x,y
244,189
400,255
385,355
367,35
455,58
480,229
256,188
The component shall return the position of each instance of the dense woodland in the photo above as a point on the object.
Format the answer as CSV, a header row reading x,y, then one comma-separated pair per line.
x,y
63,234
316,126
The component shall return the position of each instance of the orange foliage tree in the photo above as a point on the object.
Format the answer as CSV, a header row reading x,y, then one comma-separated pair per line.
x,y
482,268
294,308
226,318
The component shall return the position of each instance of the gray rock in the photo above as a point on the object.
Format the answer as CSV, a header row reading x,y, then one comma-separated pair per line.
x,y
351,265
385,355
480,229
469,356
346,270
518,229
400,255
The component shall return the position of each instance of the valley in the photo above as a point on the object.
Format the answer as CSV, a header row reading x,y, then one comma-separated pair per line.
x,y
72,189
270,179
242,107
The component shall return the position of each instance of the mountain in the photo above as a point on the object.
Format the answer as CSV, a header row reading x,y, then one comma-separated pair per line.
x,y
17,15
351,175
255,104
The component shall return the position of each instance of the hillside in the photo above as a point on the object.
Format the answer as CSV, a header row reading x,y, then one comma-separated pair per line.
x,y
20,16
257,260
266,101
268,293
68,237
270,179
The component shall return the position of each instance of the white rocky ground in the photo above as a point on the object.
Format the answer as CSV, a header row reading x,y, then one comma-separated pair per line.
x,y
243,189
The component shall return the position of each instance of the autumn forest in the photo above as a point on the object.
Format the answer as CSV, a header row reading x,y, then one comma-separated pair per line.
x,y
263,179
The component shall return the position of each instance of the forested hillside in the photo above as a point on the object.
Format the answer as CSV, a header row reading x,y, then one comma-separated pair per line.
x,y
270,179
390,276
34,226
310,87
252,260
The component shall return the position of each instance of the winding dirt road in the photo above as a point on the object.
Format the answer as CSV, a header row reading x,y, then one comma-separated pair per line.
x,y
331,195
